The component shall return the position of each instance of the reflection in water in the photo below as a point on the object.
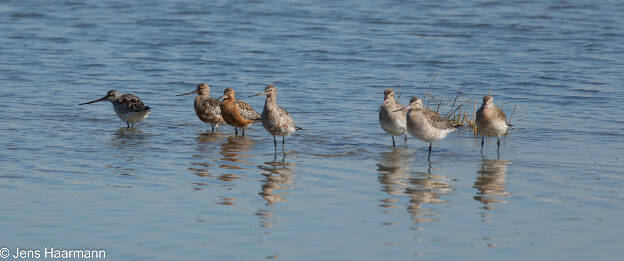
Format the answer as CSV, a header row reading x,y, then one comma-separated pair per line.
x,y
426,188
491,182
128,137
232,150
420,187
205,145
125,140
279,175
236,149
393,174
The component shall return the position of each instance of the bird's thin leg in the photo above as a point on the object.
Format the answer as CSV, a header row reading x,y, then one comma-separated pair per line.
x,y
127,123
430,147
405,137
274,141
393,142
498,146
212,128
283,140
235,131
482,141
243,131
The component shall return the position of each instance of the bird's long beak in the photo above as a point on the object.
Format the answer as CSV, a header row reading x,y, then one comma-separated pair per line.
x,y
260,93
224,96
384,103
191,92
98,100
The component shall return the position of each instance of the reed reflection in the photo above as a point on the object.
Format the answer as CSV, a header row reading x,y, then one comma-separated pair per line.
x,y
426,188
278,175
491,183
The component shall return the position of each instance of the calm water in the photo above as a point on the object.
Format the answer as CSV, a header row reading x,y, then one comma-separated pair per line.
x,y
75,177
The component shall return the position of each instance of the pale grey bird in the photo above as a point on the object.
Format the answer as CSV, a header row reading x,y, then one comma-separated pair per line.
x,y
275,119
491,121
128,107
427,125
391,116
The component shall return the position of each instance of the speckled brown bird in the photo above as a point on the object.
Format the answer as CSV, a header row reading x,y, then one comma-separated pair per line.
x,y
208,109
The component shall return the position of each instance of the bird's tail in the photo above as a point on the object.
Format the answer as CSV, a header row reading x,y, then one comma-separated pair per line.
x,y
147,108
298,128
510,126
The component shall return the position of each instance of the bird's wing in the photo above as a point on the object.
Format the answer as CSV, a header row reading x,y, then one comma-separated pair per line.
x,y
132,103
247,111
437,121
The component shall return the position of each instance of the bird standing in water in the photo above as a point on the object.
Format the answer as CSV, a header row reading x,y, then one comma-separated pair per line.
x,y
238,115
128,107
275,119
391,116
427,125
491,121
208,109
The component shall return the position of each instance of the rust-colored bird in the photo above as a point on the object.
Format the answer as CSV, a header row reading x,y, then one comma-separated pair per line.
x,y
238,115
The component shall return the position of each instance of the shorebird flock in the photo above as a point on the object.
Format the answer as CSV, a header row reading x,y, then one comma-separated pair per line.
x,y
429,126
394,118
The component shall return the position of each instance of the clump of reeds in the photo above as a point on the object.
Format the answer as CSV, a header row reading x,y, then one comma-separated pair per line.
x,y
461,112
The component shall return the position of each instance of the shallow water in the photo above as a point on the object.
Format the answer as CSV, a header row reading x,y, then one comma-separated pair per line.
x,y
75,177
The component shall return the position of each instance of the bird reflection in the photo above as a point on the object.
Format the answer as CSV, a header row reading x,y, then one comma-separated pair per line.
x,y
279,175
490,183
393,174
426,188
235,150
203,166
127,137
419,187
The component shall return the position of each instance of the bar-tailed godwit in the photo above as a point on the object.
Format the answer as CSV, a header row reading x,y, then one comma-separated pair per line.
x,y
275,119
491,121
208,109
391,116
426,125
238,115
128,107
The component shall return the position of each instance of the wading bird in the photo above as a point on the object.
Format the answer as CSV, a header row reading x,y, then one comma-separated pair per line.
x,y
391,116
491,121
275,119
238,115
128,107
426,125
